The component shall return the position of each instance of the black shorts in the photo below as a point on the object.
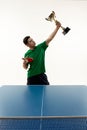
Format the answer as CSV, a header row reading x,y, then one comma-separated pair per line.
x,y
40,79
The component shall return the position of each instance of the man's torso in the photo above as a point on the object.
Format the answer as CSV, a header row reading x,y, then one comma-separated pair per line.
x,y
38,55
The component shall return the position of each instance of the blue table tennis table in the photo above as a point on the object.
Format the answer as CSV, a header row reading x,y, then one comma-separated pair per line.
x,y
53,107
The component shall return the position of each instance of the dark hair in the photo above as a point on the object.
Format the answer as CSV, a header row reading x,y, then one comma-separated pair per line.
x,y
25,40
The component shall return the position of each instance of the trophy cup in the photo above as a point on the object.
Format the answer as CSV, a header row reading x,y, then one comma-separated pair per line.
x,y
52,17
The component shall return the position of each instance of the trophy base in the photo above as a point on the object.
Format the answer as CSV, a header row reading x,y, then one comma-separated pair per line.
x,y
66,30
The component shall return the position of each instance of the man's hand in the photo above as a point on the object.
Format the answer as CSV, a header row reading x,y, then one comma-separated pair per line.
x,y
25,60
25,63
58,24
28,59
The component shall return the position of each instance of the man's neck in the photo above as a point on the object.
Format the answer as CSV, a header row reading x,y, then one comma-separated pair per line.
x,y
32,48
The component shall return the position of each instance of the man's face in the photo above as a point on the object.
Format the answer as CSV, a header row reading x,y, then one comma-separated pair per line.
x,y
31,43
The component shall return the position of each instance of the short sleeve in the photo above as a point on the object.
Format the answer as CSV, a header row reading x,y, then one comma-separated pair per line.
x,y
27,53
43,45
24,55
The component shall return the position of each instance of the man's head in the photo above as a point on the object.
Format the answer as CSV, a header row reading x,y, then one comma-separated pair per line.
x,y
29,42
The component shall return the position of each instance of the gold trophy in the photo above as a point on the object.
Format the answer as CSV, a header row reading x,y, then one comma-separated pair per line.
x,y
52,17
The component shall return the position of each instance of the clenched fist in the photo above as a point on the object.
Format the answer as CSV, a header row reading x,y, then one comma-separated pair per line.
x,y
58,24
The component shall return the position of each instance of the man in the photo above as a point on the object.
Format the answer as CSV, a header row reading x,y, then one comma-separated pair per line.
x,y
36,72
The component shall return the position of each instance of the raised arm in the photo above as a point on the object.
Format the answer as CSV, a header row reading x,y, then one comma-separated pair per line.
x,y
49,39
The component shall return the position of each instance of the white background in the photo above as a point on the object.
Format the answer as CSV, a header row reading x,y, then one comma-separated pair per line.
x,y
66,57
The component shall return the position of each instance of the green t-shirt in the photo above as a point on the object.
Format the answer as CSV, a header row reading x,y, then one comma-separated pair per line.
x,y
38,55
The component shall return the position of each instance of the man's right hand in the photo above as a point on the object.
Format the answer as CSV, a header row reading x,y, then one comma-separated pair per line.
x,y
28,59
25,60
25,63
